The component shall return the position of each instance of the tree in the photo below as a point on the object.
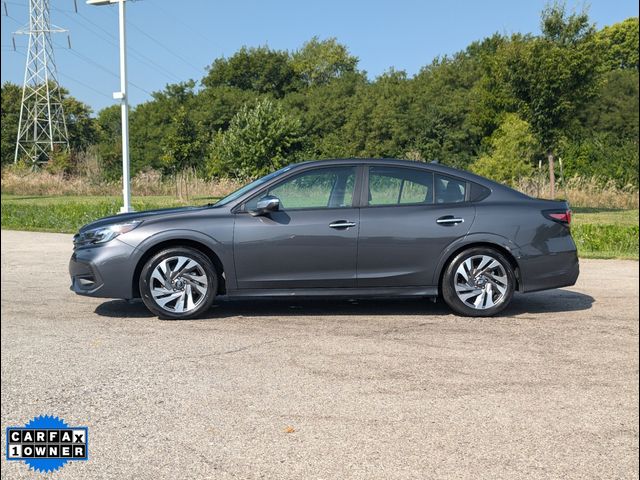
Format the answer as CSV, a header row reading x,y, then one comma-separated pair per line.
x,y
614,110
320,61
109,147
513,147
378,120
324,110
552,76
182,147
11,96
150,123
618,45
259,69
80,124
440,117
261,138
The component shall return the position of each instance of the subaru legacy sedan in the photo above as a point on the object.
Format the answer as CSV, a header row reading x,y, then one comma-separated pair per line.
x,y
337,228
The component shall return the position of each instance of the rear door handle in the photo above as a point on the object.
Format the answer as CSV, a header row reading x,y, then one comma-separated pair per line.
x,y
449,220
342,224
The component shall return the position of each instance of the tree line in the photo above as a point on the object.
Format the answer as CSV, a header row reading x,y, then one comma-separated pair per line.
x,y
502,107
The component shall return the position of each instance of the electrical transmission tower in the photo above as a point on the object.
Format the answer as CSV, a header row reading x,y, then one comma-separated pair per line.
x,y
42,127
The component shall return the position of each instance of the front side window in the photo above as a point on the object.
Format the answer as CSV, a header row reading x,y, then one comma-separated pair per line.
x,y
398,186
330,187
449,190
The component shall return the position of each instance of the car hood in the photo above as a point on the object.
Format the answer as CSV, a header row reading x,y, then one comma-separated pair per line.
x,y
128,217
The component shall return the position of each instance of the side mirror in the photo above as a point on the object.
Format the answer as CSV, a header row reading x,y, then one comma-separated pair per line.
x,y
266,205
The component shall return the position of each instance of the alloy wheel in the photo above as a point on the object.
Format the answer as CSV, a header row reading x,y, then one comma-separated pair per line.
x,y
481,282
179,284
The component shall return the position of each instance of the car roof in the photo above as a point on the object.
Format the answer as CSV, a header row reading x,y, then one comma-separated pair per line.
x,y
496,188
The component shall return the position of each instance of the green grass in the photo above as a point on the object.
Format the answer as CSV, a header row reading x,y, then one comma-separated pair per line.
x,y
599,233
603,216
606,233
65,214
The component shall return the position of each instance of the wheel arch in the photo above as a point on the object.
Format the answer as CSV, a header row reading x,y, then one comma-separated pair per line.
x,y
179,242
499,247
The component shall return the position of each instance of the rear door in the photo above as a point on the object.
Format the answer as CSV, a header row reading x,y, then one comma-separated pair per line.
x,y
409,216
311,242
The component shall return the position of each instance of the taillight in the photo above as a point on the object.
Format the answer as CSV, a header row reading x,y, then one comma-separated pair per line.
x,y
559,216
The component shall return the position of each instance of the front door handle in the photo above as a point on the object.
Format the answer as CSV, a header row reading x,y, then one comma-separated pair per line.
x,y
342,224
449,220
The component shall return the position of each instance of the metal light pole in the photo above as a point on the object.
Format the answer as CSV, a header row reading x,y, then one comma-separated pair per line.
x,y
124,102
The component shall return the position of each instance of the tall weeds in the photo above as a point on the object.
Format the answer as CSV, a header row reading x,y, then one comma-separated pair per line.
x,y
583,192
146,183
579,191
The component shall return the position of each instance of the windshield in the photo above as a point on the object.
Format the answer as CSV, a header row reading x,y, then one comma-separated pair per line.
x,y
238,193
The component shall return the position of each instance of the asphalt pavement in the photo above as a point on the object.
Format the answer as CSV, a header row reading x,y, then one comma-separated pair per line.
x,y
324,389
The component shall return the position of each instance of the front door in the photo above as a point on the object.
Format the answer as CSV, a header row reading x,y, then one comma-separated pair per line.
x,y
410,218
310,242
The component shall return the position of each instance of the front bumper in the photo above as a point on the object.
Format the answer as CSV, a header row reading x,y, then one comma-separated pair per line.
x,y
104,271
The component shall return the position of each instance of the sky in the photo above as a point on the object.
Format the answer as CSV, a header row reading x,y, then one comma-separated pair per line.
x,y
175,40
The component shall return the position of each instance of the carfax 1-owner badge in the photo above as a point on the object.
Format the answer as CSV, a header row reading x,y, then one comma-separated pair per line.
x,y
47,443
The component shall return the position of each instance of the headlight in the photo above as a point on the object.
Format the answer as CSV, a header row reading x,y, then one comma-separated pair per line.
x,y
104,234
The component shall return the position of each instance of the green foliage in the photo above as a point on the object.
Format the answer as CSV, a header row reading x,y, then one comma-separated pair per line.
x,y
80,125
513,147
576,88
318,62
259,69
59,162
182,147
261,138
109,131
619,45
606,241
379,117
442,101
614,110
67,214
552,77
11,95
604,156
152,121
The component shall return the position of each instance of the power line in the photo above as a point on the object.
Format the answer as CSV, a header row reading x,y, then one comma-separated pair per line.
x,y
69,78
95,90
101,67
163,46
190,28
111,39
12,18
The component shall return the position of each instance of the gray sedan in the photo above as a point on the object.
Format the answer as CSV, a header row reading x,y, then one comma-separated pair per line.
x,y
348,228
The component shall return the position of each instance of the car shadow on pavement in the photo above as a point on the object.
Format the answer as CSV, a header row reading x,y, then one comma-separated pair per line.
x,y
550,301
542,302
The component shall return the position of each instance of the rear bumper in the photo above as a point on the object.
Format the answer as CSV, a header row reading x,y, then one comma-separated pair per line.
x,y
553,270
105,271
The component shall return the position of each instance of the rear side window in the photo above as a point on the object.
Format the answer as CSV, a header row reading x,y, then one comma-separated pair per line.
x,y
399,186
449,190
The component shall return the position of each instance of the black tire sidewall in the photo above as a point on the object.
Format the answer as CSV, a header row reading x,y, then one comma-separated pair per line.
x,y
448,287
150,265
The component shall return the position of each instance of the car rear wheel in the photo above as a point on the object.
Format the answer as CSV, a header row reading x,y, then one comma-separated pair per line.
x,y
178,283
479,282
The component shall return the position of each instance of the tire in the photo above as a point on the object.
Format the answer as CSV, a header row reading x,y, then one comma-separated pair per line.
x,y
489,286
178,283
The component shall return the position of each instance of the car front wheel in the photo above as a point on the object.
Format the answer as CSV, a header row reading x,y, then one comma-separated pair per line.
x,y
178,283
479,282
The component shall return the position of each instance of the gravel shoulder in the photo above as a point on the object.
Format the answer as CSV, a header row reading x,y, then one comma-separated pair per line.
x,y
325,388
